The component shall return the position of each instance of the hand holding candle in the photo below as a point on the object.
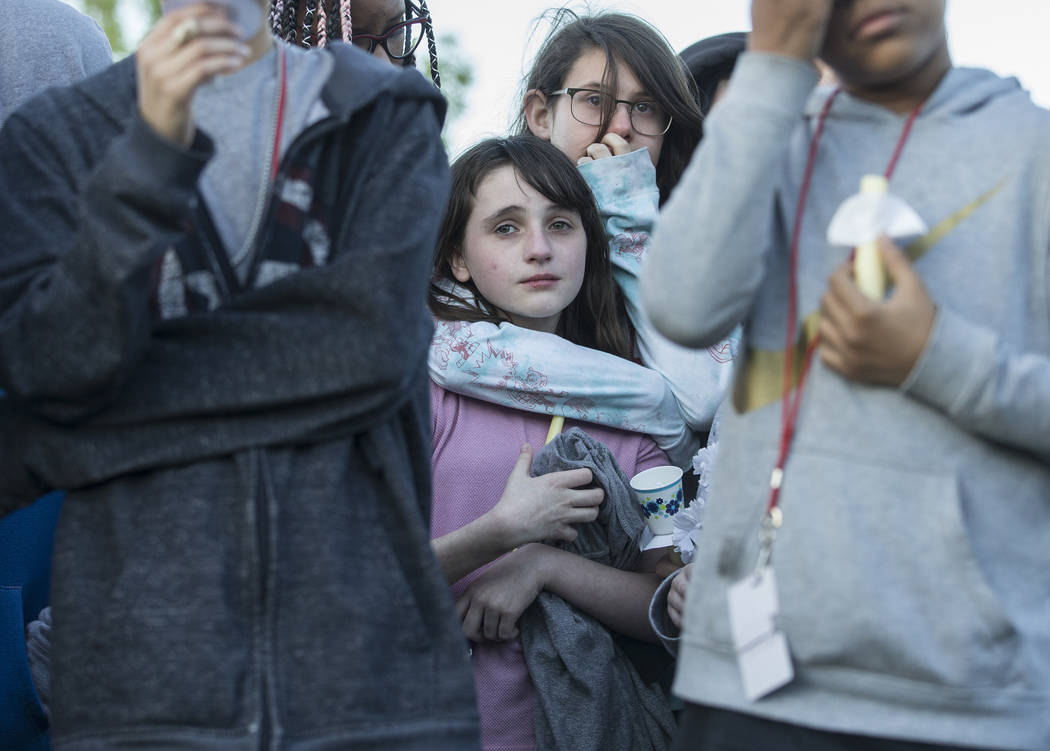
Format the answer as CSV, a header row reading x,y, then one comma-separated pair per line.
x,y
862,219
876,341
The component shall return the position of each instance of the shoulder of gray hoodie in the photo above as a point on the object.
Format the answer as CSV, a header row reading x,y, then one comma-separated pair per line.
x,y
45,43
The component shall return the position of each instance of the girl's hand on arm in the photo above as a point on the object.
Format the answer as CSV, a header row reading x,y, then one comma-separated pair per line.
x,y
547,507
531,509
490,607
794,28
184,50
493,603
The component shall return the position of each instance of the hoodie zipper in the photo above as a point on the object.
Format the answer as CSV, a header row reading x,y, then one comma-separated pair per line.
x,y
262,514
267,530
263,231
263,506
215,252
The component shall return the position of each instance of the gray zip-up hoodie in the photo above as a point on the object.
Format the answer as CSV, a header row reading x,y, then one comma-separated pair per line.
x,y
243,560
912,563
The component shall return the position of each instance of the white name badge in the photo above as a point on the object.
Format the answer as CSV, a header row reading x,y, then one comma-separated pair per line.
x,y
761,648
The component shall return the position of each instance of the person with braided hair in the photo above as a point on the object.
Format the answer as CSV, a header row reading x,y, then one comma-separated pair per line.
x,y
390,29
213,333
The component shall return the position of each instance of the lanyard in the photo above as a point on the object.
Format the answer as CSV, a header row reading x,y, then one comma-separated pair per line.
x,y
275,157
789,408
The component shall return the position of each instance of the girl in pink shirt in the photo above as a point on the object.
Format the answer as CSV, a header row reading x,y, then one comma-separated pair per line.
x,y
520,233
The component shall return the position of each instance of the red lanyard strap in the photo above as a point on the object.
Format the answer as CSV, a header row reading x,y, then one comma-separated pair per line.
x,y
275,157
789,408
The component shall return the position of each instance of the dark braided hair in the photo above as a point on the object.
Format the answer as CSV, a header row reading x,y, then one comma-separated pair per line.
x,y
431,44
308,37
297,22
335,26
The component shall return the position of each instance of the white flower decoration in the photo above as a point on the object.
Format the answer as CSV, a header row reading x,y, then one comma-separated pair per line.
x,y
688,523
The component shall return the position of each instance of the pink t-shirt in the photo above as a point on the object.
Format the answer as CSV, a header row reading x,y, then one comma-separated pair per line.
x,y
475,447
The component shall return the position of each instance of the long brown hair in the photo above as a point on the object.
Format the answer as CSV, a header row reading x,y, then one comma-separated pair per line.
x,y
597,318
629,40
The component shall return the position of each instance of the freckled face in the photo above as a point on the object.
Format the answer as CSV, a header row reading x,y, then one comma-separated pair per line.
x,y
526,255
573,137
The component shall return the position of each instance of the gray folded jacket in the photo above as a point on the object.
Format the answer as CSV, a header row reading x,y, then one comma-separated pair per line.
x,y
588,696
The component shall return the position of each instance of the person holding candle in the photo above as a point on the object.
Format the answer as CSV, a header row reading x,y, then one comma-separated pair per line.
x,y
884,467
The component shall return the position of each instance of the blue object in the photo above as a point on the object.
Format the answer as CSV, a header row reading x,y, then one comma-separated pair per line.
x,y
26,538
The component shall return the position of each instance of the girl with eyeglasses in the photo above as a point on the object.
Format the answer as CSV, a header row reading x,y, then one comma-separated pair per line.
x,y
610,93
389,29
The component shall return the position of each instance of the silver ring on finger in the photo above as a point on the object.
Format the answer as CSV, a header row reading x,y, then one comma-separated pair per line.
x,y
187,31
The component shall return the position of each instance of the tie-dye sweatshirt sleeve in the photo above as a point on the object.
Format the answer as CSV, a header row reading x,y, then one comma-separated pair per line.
x,y
629,201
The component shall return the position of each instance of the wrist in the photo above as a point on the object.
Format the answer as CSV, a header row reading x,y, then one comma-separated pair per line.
x,y
800,34
502,533
177,132
799,48
541,560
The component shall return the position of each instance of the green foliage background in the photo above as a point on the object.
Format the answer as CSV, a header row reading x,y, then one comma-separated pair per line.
x,y
106,12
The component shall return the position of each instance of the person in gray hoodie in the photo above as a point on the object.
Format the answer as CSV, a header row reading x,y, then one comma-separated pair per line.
x,y
899,485
213,333
43,43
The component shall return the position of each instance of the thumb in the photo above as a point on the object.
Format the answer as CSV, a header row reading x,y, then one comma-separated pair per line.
x,y
524,462
898,267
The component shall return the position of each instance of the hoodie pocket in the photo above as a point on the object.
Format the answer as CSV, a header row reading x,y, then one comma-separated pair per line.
x,y
880,577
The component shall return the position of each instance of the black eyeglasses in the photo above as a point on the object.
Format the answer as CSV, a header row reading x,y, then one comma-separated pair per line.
x,y
588,106
399,41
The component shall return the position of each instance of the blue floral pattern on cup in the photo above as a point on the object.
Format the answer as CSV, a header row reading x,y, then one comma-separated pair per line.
x,y
660,508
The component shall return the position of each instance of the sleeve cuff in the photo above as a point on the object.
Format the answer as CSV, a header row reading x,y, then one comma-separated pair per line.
x,y
625,177
659,619
165,163
946,370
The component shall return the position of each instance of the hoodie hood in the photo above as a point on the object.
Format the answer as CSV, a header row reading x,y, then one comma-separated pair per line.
x,y
962,90
372,78
114,94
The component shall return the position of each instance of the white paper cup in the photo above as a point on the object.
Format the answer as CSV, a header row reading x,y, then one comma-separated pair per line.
x,y
659,494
